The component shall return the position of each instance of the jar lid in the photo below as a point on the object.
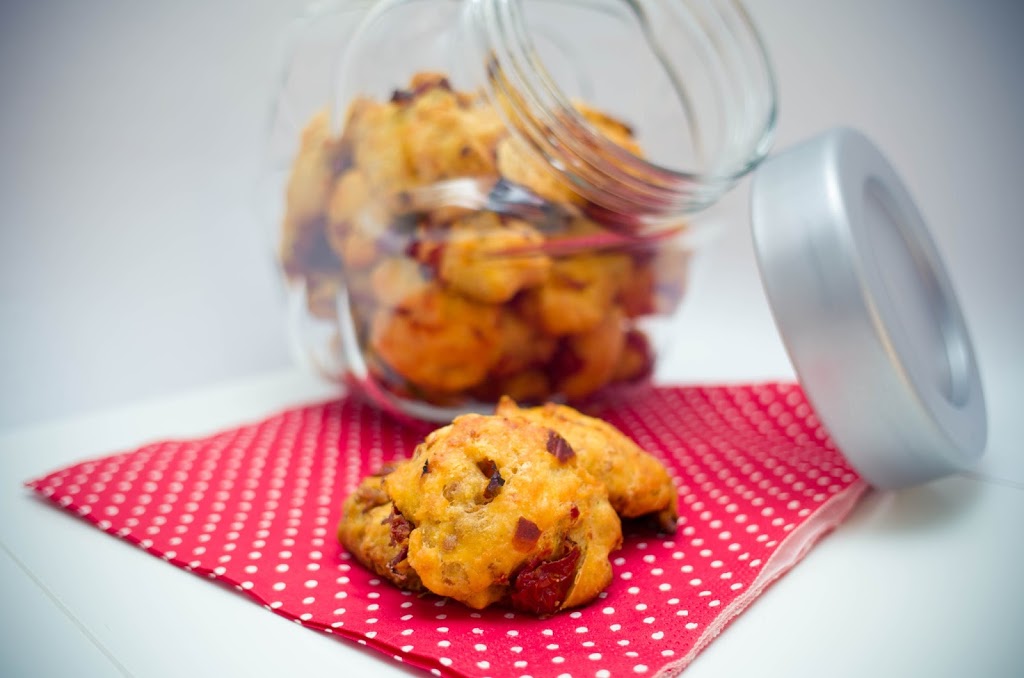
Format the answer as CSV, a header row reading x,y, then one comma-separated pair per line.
x,y
867,312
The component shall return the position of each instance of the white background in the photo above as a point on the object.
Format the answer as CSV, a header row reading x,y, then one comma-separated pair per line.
x,y
134,271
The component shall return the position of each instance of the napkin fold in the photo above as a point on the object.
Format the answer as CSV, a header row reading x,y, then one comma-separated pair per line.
x,y
256,507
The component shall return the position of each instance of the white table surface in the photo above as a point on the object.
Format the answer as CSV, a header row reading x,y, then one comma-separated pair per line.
x,y
924,582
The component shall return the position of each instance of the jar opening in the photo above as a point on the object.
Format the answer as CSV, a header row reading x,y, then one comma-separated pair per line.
x,y
704,56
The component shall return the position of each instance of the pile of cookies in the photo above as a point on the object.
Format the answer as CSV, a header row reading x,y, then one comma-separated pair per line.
x,y
452,305
520,509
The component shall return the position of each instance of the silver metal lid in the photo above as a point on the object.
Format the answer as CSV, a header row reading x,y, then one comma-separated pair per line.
x,y
867,312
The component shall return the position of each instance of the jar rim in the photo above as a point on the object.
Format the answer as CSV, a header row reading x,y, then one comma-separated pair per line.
x,y
544,117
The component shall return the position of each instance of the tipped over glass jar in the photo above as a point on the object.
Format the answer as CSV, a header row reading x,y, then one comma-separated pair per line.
x,y
501,197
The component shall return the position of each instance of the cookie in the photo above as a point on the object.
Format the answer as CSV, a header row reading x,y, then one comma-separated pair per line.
x,y
490,259
489,510
637,483
437,340
577,293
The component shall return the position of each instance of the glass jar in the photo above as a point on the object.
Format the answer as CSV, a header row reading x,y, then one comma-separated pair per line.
x,y
477,198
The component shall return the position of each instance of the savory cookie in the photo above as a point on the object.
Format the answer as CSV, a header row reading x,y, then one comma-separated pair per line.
x,y
438,340
488,510
638,484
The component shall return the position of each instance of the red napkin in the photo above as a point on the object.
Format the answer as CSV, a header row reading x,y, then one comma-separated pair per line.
x,y
256,507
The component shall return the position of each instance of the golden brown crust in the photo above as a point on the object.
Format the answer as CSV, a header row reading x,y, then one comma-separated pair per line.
x,y
616,131
578,293
638,483
523,167
437,340
490,260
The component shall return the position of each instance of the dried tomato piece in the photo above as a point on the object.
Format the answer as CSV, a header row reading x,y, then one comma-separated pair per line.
x,y
494,482
405,96
565,363
428,253
526,536
558,446
400,527
542,586
402,96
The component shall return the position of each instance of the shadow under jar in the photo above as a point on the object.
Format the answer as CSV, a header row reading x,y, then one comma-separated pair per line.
x,y
501,197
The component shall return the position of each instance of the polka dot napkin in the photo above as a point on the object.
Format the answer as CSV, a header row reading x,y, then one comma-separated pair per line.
x,y
256,508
